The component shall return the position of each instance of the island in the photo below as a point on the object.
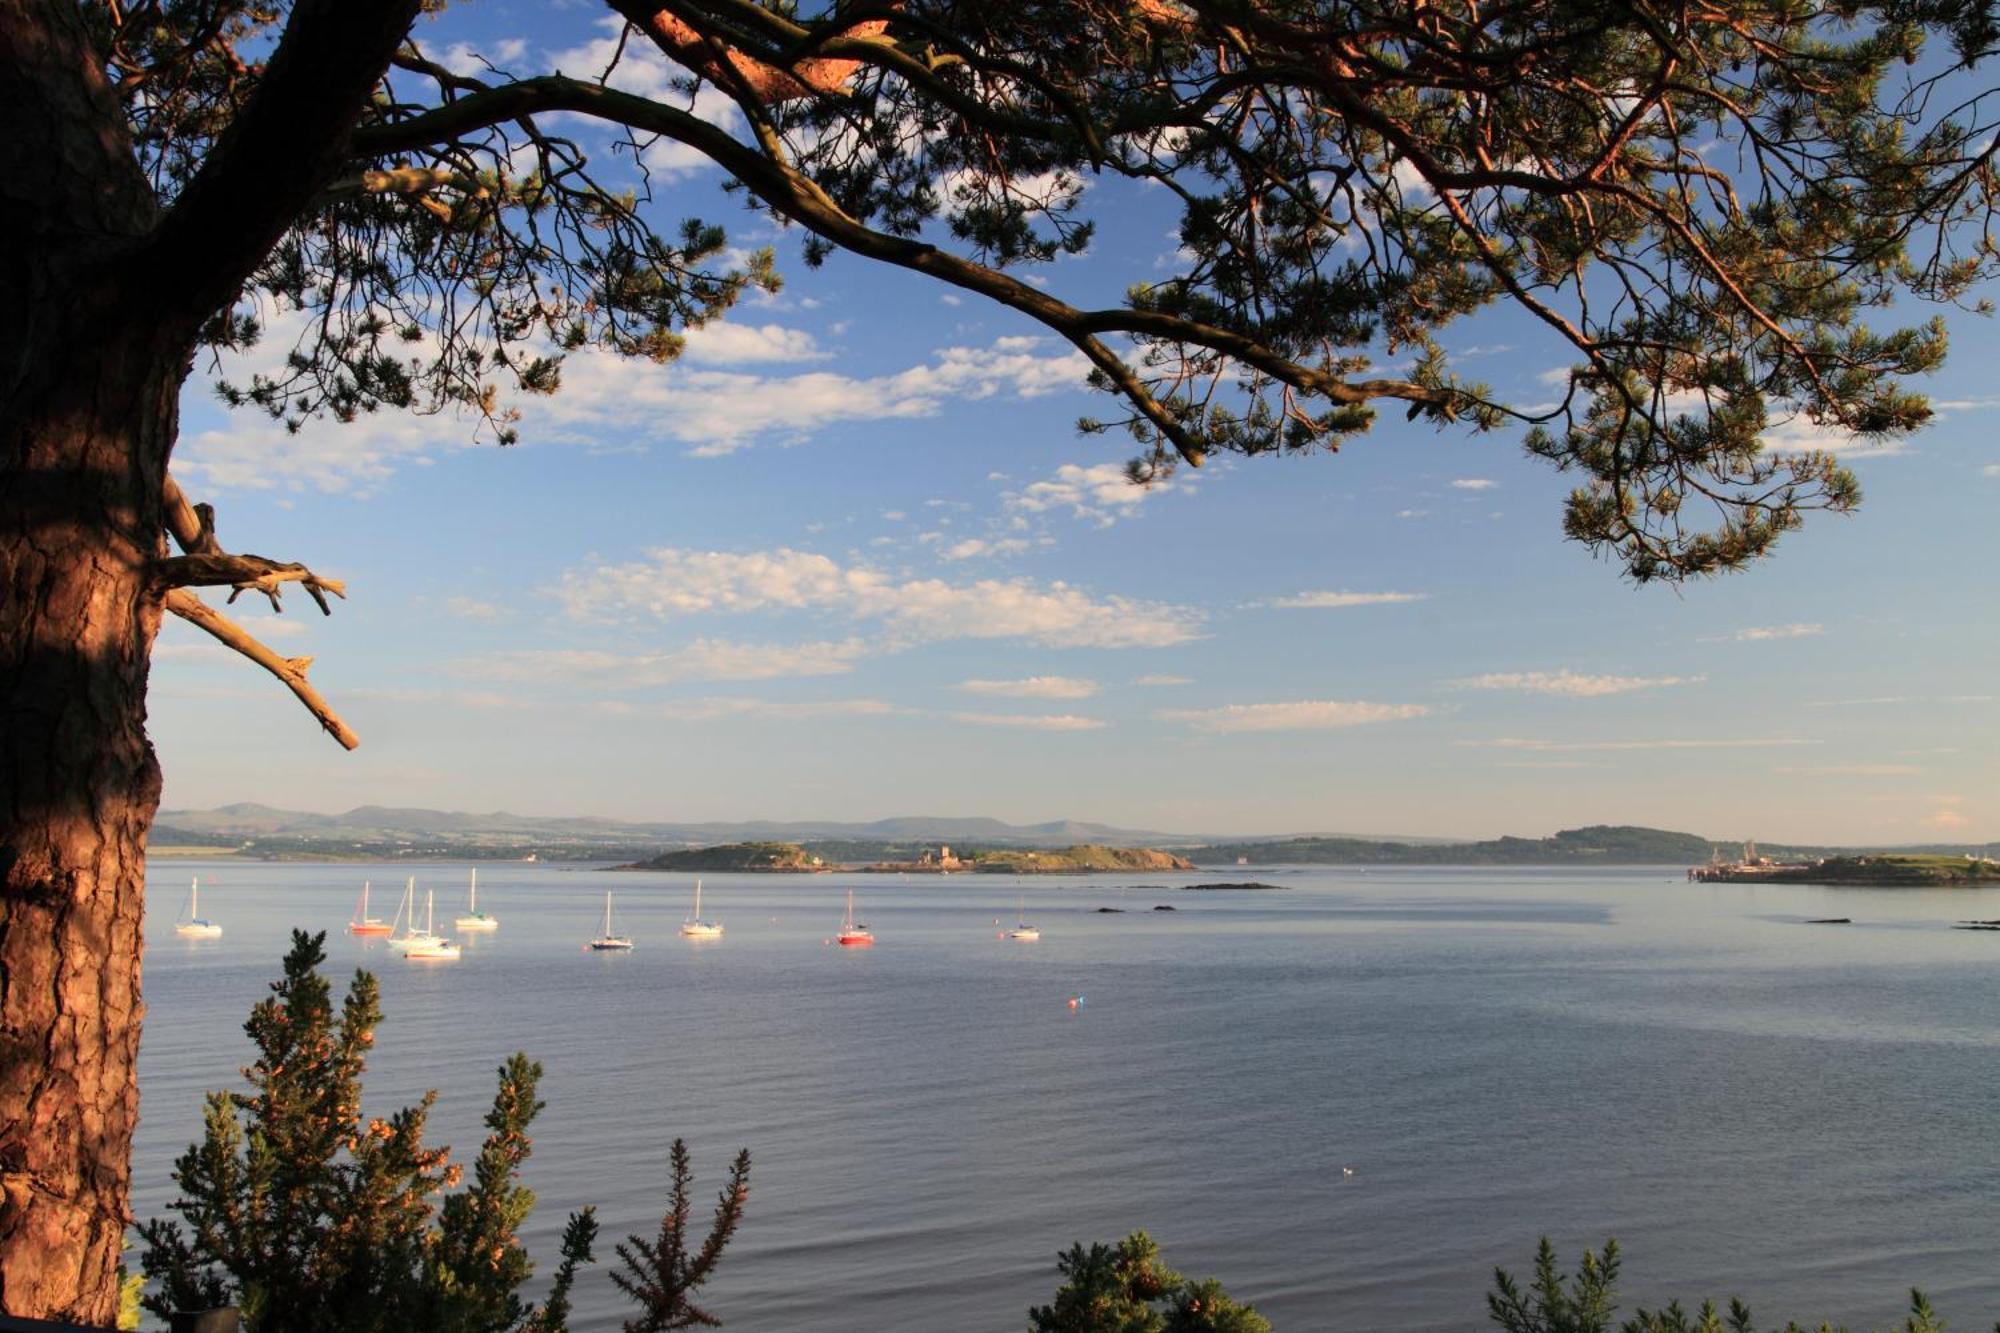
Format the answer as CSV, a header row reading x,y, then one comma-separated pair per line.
x,y
790,858
762,858
1083,859
1864,872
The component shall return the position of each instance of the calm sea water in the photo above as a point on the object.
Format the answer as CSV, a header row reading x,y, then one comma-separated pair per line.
x,y
1805,1115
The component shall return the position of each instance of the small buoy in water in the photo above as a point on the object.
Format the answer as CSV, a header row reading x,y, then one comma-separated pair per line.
x,y
1076,1001
1346,1170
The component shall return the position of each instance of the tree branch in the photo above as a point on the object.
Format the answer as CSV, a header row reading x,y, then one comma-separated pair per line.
x,y
288,141
798,197
290,670
245,573
206,564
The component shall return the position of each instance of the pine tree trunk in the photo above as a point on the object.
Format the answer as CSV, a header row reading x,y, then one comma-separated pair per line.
x,y
87,415
79,526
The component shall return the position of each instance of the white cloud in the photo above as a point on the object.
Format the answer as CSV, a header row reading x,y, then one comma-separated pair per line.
x,y
1990,470
973,547
1473,484
1304,715
1675,743
1331,600
1570,684
1796,630
1947,815
1101,492
1413,513
726,344
1799,436
472,608
1854,771
1886,700
709,409
1033,687
721,709
1156,681
1031,721
704,659
720,411
671,582
469,61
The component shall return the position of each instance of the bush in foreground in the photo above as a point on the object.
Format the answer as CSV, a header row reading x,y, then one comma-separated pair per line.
x,y
310,1218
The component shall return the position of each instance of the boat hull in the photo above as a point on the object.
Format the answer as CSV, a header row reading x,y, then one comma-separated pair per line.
x,y
701,930
476,923
610,946
854,940
369,928
198,930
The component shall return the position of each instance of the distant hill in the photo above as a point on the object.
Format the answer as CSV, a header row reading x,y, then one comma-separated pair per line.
x,y
405,833
1601,844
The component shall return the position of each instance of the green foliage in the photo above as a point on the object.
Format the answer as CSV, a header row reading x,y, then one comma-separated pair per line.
x,y
1586,1302
1128,1289
310,1218
1695,207
661,1275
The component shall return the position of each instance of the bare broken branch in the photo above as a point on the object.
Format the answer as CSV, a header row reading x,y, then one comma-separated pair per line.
x,y
246,573
206,564
291,670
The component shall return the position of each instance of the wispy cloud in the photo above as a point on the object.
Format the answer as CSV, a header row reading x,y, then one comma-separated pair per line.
x,y
726,344
1334,600
1899,700
1474,484
704,659
472,608
1853,771
724,709
1796,630
1031,721
1672,743
1990,470
972,548
1946,813
1571,684
1158,680
1303,715
670,583
694,402
1102,493
1033,687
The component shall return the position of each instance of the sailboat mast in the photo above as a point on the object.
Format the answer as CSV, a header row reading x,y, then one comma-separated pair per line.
x,y
472,903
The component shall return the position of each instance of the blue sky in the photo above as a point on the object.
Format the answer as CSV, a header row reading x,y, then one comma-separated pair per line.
x,y
849,558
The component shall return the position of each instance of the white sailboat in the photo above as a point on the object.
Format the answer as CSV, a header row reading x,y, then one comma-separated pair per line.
x,y
364,924
474,919
431,948
192,925
694,927
1022,930
607,938
406,916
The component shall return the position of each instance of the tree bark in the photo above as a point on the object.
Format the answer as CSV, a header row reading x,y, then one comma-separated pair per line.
x,y
88,410
79,518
